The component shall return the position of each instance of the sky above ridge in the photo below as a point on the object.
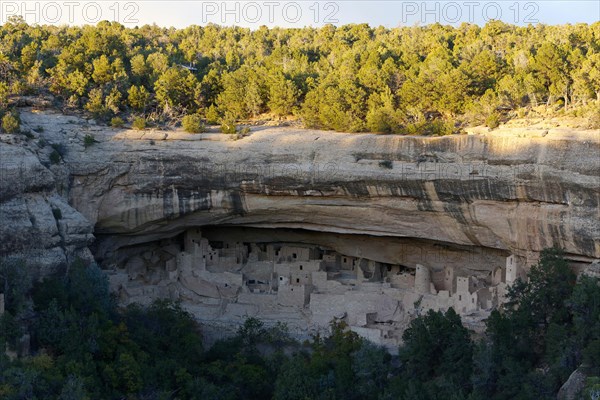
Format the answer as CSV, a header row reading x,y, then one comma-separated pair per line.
x,y
298,13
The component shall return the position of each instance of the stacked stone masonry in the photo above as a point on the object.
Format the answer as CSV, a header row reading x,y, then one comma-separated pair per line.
x,y
307,287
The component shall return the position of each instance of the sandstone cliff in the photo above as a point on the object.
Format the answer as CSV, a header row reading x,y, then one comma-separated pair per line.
x,y
517,191
519,194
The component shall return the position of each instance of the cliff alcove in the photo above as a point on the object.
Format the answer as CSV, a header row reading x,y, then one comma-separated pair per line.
x,y
426,222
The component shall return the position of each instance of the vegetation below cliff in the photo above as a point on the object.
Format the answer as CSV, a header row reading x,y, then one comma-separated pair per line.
x,y
415,80
86,348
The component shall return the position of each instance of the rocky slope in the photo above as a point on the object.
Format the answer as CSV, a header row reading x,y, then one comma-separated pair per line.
x,y
514,190
37,225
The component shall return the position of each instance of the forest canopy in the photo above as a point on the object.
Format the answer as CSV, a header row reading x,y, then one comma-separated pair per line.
x,y
421,79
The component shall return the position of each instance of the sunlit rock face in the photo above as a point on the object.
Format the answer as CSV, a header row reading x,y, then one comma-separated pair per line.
x,y
502,191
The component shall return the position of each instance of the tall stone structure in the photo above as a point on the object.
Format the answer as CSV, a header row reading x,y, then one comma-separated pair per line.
x,y
422,279
448,283
512,269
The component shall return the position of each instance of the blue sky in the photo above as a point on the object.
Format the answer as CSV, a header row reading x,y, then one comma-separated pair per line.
x,y
300,13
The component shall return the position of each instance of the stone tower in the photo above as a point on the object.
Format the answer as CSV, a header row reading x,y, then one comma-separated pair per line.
x,y
449,279
512,269
422,279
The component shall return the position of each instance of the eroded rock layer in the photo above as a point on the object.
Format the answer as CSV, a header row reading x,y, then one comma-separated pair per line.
x,y
38,227
502,191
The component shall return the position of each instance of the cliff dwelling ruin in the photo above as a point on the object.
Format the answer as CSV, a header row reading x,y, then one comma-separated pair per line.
x,y
227,274
236,228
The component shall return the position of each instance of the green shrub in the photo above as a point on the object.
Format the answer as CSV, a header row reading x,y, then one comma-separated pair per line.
x,y
245,130
441,128
95,103
228,126
4,91
11,123
594,119
28,134
212,115
388,164
493,120
60,149
381,120
16,283
55,157
10,330
591,390
117,122
193,124
429,128
88,140
57,213
58,152
139,124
